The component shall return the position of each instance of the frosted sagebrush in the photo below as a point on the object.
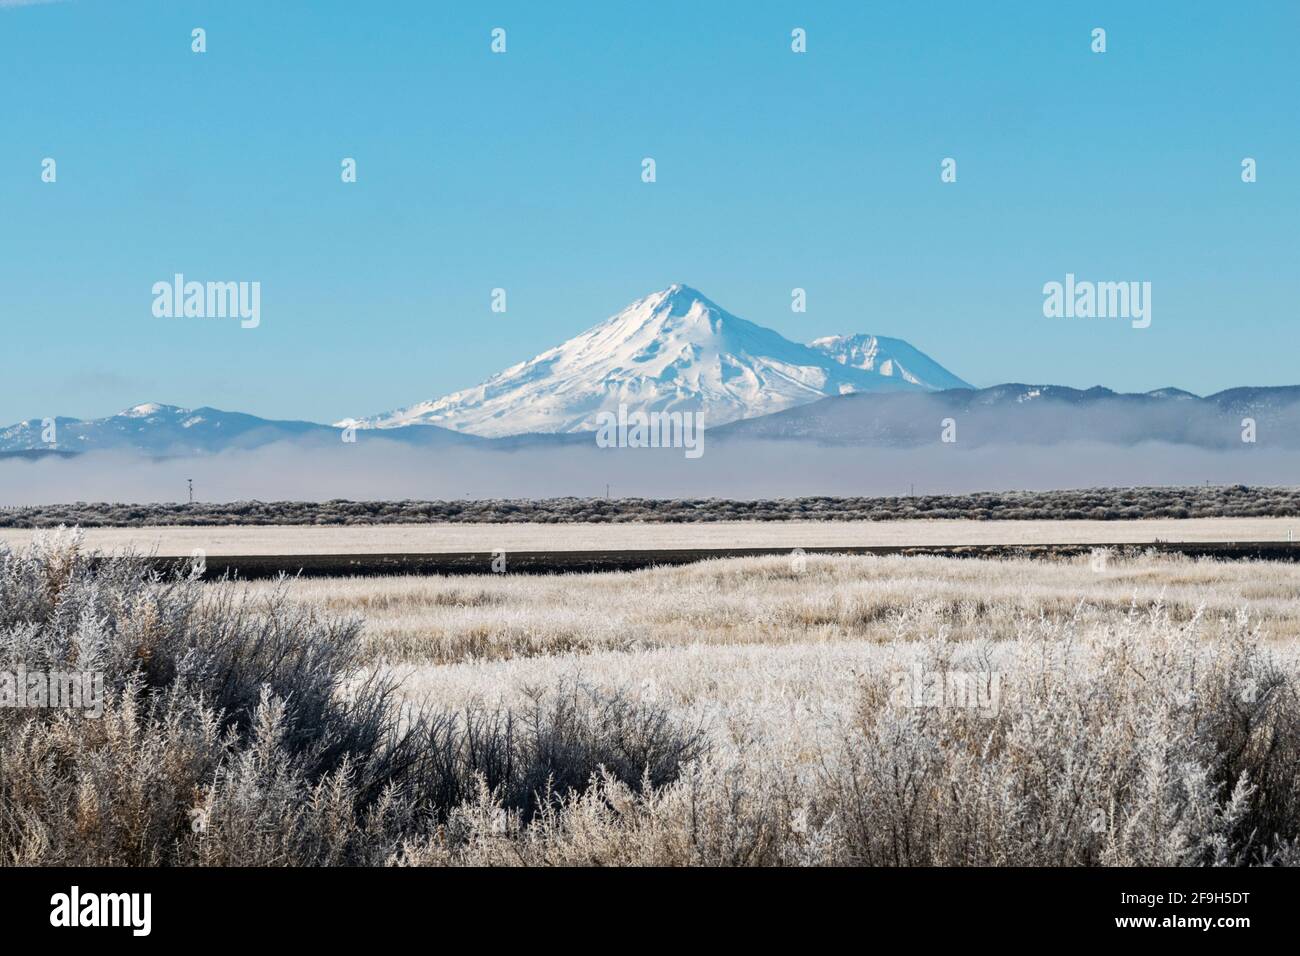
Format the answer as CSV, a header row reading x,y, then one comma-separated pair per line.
x,y
1134,743
1104,504
791,599
246,729
245,732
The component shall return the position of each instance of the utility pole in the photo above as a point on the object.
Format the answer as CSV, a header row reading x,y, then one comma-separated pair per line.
x,y
606,492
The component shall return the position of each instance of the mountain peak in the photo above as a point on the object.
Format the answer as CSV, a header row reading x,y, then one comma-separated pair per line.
x,y
146,409
672,350
892,358
677,301
679,294
678,311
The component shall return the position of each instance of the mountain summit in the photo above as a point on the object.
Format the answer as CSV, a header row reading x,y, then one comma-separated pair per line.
x,y
674,350
888,357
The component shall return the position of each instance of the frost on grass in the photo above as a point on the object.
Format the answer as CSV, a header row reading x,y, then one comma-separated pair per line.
x,y
247,728
1140,742
245,732
765,601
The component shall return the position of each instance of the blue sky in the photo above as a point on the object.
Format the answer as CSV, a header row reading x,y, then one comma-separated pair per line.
x,y
522,171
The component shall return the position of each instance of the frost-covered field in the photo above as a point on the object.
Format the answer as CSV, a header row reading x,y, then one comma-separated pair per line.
x,y
834,710
781,601
577,536
1072,724
1090,691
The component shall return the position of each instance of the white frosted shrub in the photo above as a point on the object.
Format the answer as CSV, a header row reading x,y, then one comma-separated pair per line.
x,y
1138,743
249,730
246,732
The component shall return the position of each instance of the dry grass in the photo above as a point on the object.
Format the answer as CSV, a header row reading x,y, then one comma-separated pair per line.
x,y
445,620
1132,741
230,732
755,718
1104,676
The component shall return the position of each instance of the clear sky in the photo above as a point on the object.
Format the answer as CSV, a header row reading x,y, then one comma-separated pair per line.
x,y
523,171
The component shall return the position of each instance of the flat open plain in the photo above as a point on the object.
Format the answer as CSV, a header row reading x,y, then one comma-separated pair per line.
x,y
461,537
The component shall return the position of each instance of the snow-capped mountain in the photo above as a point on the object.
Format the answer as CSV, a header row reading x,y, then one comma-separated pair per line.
x,y
673,350
1009,414
676,350
888,357
1038,415
169,430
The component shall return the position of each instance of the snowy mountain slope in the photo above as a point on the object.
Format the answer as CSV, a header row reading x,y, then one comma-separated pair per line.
x,y
1038,415
1009,414
888,357
676,350
168,430
673,350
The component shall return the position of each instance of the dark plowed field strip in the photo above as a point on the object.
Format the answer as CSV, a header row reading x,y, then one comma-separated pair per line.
x,y
576,562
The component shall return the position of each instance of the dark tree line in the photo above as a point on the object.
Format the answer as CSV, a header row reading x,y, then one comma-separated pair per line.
x,y
1105,504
